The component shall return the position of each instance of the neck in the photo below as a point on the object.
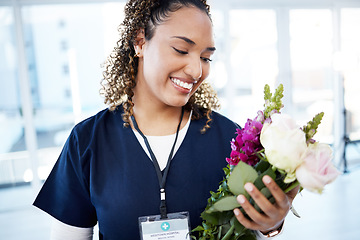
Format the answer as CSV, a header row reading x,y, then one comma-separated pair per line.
x,y
155,120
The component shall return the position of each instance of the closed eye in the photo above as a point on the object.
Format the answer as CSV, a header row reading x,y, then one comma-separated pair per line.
x,y
180,51
206,59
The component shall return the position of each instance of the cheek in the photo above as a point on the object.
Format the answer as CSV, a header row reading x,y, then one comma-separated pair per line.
x,y
197,86
205,74
153,58
205,70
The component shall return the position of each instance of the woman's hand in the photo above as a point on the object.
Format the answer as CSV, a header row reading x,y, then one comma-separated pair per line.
x,y
273,215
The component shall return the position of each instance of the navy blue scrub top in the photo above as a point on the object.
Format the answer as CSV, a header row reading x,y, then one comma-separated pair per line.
x,y
104,175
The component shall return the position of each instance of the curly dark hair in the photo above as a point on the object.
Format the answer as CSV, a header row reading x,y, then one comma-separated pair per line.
x,y
121,66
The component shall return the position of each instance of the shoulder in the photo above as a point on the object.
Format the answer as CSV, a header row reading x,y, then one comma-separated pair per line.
x,y
221,120
92,135
97,127
104,118
219,125
97,119
222,125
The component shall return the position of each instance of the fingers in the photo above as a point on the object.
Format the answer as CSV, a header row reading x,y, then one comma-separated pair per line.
x,y
246,222
264,204
292,194
281,199
272,214
256,220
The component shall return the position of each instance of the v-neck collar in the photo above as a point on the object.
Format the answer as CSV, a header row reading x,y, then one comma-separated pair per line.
x,y
141,143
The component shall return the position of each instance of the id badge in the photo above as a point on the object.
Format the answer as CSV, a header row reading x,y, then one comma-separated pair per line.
x,y
175,227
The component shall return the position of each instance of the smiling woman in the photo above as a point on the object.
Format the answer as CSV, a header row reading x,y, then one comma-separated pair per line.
x,y
142,26
111,172
178,50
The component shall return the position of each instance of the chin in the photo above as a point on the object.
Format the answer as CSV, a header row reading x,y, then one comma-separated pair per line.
x,y
179,103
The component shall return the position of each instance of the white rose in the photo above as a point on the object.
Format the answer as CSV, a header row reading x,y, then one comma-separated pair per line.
x,y
284,143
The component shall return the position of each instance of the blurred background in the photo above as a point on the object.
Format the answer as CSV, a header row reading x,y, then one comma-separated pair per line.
x,y
51,53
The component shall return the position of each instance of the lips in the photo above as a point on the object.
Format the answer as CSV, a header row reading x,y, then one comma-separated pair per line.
x,y
182,84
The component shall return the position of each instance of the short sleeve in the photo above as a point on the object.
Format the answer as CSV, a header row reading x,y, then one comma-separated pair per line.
x,y
66,193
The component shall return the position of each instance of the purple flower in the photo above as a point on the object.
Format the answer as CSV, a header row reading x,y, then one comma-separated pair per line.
x,y
273,112
247,142
243,157
239,140
234,146
260,117
233,161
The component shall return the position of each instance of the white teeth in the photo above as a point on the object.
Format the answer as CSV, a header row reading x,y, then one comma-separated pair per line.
x,y
182,84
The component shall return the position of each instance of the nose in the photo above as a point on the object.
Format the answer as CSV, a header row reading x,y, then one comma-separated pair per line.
x,y
194,68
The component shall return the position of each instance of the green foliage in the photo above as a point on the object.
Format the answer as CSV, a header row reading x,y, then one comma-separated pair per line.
x,y
268,171
240,175
224,204
219,221
310,128
273,103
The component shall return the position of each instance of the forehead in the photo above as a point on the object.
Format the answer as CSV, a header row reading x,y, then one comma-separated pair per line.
x,y
189,22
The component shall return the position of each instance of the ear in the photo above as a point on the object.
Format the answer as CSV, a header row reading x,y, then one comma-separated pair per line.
x,y
139,42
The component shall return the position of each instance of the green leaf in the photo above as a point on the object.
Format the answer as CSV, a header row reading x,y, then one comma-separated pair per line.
x,y
225,228
229,233
224,204
310,128
291,186
249,236
210,217
198,228
262,166
280,180
241,174
259,184
239,228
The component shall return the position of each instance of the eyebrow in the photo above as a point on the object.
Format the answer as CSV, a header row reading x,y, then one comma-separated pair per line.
x,y
191,42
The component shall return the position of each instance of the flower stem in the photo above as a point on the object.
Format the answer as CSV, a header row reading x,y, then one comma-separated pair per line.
x,y
292,186
228,234
220,230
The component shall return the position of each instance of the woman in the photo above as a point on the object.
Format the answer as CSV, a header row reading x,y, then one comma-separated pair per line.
x,y
158,104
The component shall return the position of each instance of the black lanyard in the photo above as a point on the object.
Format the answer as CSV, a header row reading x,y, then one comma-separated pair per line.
x,y
161,177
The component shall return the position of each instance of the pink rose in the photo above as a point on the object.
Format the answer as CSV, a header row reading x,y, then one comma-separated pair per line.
x,y
317,169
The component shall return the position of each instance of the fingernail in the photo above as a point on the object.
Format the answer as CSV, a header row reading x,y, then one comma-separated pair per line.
x,y
241,199
236,212
249,187
267,179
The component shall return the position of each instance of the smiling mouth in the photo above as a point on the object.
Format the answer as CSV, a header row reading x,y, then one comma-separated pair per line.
x,y
182,84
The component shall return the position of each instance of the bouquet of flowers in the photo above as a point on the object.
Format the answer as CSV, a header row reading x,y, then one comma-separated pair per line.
x,y
270,144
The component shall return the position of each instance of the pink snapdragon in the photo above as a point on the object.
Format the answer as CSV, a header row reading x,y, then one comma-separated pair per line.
x,y
247,142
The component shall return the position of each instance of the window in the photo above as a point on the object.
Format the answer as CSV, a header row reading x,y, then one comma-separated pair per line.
x,y
12,148
251,56
350,68
311,52
65,46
